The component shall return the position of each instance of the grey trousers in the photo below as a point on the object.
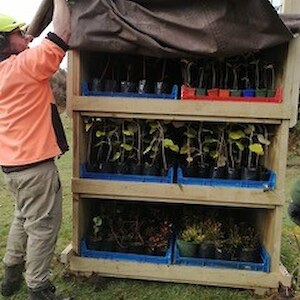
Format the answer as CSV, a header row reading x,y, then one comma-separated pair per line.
x,y
38,213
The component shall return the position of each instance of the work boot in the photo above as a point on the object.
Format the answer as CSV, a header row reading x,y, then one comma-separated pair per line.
x,y
45,293
12,280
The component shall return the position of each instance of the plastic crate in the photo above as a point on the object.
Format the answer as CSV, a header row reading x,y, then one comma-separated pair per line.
x,y
188,93
234,183
172,96
127,177
263,265
142,258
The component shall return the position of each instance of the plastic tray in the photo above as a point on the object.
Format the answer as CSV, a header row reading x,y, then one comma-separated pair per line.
x,y
143,258
127,177
263,265
234,183
172,96
188,93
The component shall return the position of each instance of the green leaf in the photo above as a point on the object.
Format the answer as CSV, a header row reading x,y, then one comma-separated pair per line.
x,y
236,135
185,149
88,126
100,133
147,150
256,148
126,147
128,132
116,156
174,148
214,154
240,146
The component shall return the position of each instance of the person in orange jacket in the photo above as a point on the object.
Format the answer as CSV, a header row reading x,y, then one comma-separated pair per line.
x,y
31,137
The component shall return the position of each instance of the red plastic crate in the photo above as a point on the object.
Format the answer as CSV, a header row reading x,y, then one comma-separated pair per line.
x,y
188,93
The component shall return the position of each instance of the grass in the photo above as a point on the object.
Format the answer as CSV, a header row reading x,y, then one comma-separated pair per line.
x,y
95,288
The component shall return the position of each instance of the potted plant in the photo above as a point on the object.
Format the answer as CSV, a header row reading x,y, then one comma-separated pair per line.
x,y
234,242
162,86
132,146
214,90
235,91
201,90
155,145
259,92
107,146
158,237
95,236
128,86
224,91
212,232
218,154
187,88
255,150
189,239
145,86
271,91
235,149
188,149
249,243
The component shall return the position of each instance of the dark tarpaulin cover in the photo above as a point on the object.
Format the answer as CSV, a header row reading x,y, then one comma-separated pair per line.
x,y
292,21
217,28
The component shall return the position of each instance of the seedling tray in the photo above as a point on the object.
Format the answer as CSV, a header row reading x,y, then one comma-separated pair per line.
x,y
87,92
142,258
127,177
234,183
188,93
263,265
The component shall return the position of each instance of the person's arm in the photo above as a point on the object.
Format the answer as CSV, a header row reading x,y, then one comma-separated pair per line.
x,y
61,20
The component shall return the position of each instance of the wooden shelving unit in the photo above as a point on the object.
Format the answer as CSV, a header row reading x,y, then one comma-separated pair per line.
x,y
268,205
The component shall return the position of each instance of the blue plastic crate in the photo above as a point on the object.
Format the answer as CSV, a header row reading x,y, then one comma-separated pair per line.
x,y
263,265
127,177
234,183
142,258
173,96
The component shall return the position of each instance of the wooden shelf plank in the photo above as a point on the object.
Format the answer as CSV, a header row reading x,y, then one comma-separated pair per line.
x,y
184,110
173,193
175,273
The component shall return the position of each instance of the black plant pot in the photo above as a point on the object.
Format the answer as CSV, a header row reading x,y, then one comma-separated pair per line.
x,y
107,245
233,173
110,85
249,254
105,167
250,173
236,254
264,175
135,169
219,173
206,249
137,248
189,171
221,253
128,87
93,243
92,167
151,170
145,86
118,168
204,172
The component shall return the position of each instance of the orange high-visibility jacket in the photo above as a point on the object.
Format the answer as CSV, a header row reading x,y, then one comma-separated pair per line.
x,y
27,134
